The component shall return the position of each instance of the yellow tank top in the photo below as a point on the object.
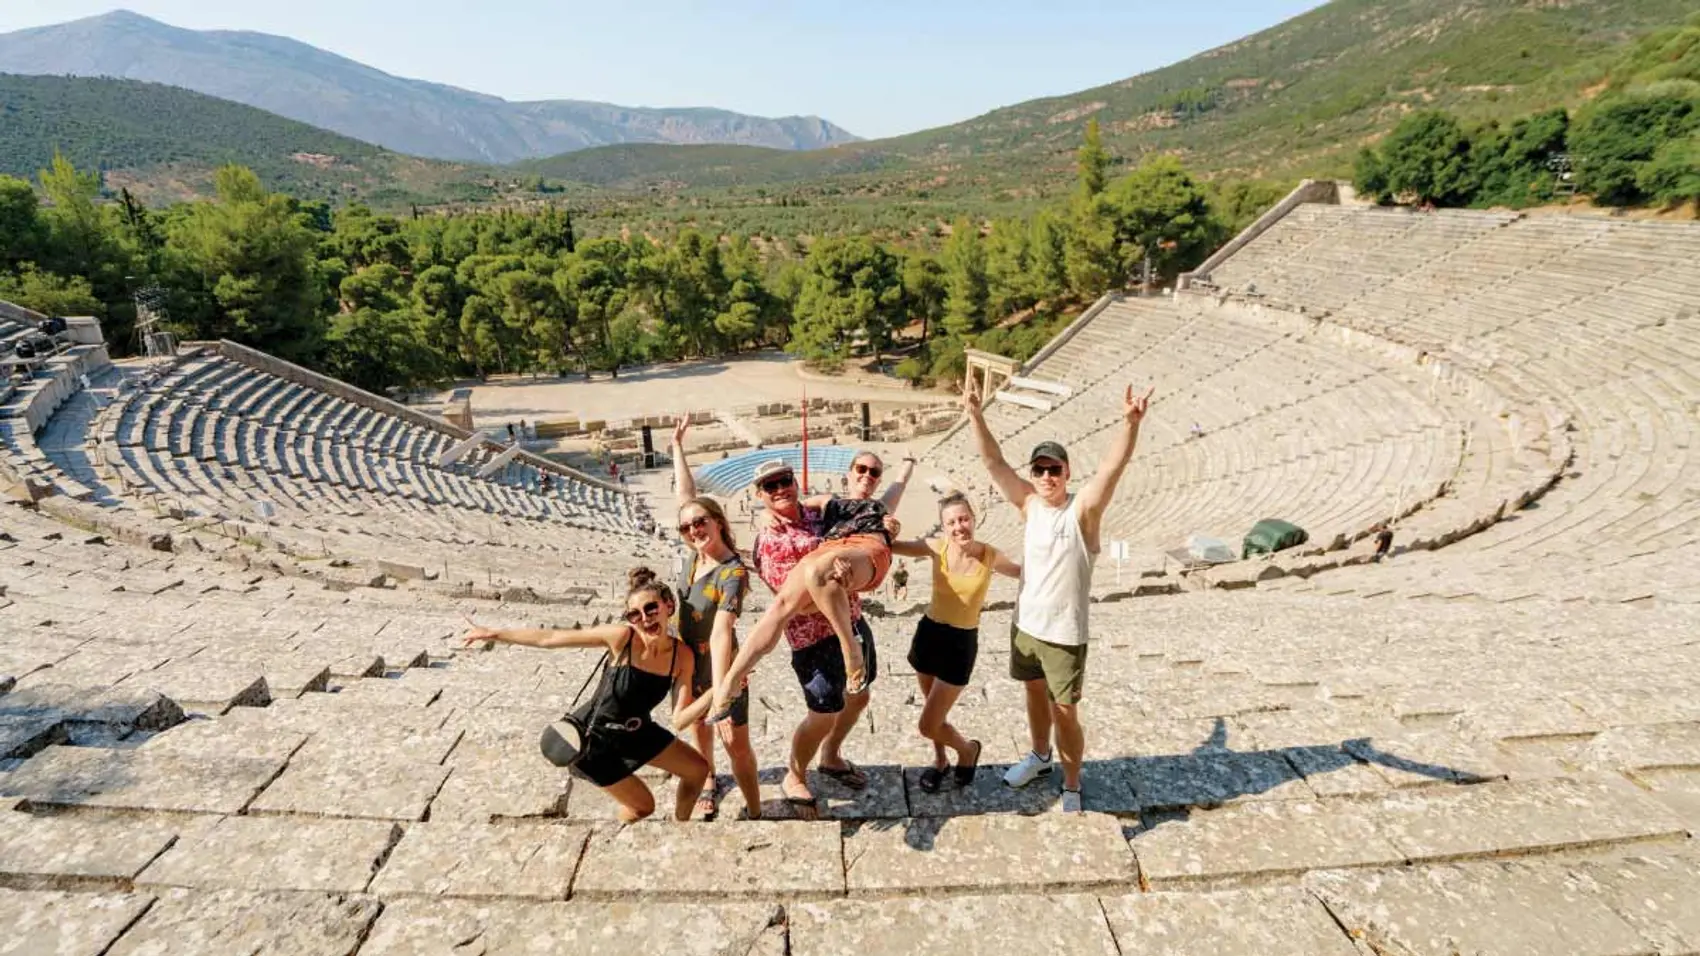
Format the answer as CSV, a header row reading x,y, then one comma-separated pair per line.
x,y
957,597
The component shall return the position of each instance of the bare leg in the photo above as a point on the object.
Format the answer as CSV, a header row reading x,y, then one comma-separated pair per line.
x,y
936,727
743,759
760,642
634,799
830,578
691,769
705,746
939,759
1071,742
842,723
1039,716
805,743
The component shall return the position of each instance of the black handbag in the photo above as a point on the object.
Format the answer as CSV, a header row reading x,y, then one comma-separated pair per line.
x,y
564,740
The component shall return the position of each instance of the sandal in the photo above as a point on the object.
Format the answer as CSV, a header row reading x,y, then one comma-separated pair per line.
x,y
848,776
965,772
932,779
708,808
804,806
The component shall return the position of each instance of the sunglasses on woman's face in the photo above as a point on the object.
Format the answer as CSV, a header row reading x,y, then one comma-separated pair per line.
x,y
1047,471
780,483
637,614
873,470
692,526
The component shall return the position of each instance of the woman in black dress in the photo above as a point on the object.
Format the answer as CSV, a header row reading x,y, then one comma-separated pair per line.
x,y
647,662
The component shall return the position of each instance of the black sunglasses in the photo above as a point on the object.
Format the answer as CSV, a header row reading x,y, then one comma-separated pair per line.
x,y
695,524
637,614
873,470
1047,471
771,485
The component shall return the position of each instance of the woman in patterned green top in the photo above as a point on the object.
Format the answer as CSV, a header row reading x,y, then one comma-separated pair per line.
x,y
711,596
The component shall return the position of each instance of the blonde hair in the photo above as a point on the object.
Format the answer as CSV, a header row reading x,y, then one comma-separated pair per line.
x,y
713,510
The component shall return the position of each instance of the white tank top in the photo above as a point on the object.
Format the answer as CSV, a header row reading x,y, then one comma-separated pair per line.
x,y
1056,574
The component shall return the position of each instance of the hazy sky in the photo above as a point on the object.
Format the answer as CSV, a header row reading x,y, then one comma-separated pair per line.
x,y
875,67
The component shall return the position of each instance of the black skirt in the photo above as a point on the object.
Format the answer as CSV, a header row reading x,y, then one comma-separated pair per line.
x,y
613,755
943,652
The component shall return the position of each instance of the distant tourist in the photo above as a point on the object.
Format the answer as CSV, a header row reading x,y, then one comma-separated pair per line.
x,y
645,661
510,431
900,579
947,638
1383,540
712,587
546,482
1197,430
1060,544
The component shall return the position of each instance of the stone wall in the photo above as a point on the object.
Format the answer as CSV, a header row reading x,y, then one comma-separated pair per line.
x,y
1310,190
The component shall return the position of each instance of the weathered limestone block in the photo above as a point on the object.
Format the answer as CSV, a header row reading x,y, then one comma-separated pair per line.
x,y
1056,854
286,674
638,927
751,860
234,921
1653,892
22,736
1212,778
139,780
277,853
1646,747
377,787
1259,840
66,924
209,686
486,783
480,861
1282,921
125,708
1474,908
221,737
1426,758
1520,817
1067,925
75,852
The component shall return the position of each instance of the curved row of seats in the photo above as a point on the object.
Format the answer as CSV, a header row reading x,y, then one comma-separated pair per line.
x,y
730,476
211,438
1596,321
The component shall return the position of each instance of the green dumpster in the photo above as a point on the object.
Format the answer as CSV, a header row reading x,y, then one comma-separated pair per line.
x,y
1271,535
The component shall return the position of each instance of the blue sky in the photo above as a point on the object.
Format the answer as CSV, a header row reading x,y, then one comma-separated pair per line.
x,y
875,67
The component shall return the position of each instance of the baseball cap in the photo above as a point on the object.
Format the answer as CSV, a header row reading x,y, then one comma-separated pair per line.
x,y
1049,449
770,468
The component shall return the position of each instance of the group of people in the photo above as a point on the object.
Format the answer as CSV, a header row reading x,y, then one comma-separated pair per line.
x,y
818,555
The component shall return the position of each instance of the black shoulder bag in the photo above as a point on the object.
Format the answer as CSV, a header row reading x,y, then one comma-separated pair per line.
x,y
563,741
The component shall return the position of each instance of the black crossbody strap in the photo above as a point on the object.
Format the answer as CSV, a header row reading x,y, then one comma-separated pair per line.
x,y
600,666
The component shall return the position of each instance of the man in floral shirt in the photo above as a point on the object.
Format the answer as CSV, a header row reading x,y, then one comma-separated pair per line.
x,y
792,533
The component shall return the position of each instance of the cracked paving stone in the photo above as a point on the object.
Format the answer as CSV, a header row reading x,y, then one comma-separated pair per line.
x,y
1260,840
277,853
741,860
1654,892
235,921
634,927
139,780
964,854
1067,925
66,924
481,861
1281,921
381,789
78,852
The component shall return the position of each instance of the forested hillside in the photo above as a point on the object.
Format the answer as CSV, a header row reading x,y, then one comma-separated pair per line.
x,y
163,144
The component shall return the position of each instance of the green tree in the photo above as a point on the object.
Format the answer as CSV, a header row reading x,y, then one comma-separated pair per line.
x,y
1369,177
1089,247
851,288
1514,166
1047,266
1008,268
1612,141
1160,214
747,307
49,293
250,258
597,280
23,235
1427,157
1092,162
1673,174
964,261
923,291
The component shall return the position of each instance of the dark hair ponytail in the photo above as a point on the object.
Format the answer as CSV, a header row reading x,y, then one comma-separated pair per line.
x,y
641,579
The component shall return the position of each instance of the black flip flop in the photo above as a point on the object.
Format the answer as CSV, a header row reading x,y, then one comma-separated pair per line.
x,y
848,776
965,774
932,779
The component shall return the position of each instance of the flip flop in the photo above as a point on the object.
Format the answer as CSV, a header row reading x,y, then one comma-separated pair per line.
x,y
965,772
932,779
847,776
708,808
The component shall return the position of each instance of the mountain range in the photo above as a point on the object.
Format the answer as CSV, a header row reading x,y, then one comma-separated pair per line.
x,y
304,83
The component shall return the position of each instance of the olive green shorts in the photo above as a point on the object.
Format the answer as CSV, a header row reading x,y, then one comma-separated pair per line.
x,y
1061,666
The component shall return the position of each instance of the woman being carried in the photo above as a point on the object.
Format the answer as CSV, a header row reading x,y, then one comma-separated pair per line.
x,y
647,661
947,638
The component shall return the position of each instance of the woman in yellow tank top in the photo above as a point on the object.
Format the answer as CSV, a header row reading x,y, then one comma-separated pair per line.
x,y
947,639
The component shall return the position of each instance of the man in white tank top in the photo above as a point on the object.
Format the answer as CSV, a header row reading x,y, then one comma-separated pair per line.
x,y
1048,646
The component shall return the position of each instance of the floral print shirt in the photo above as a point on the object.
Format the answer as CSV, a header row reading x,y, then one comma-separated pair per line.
x,y
777,551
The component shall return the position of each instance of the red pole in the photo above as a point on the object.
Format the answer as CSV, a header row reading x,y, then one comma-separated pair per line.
x,y
804,491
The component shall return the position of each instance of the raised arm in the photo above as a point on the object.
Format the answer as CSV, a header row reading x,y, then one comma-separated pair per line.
x,y
684,485
603,635
1095,497
894,491
1014,487
1001,564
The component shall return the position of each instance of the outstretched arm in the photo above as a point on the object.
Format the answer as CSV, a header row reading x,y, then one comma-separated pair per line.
x,y
603,635
894,491
1014,487
684,485
1001,564
1095,497
918,548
